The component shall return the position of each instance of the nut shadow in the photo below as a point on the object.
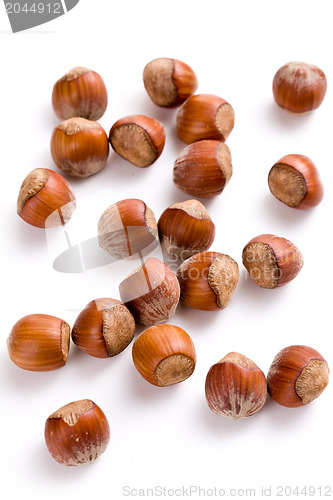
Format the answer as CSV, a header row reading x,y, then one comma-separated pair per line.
x,y
41,462
284,119
248,291
284,214
23,235
225,427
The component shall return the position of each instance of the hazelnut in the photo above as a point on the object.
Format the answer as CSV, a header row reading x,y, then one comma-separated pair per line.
x,y
235,387
126,228
138,139
272,261
77,433
80,92
294,180
208,280
39,343
45,199
203,169
164,355
185,229
299,87
79,147
169,82
104,328
151,292
297,376
204,116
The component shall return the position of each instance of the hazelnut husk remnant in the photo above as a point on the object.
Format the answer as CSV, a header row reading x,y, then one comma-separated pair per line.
x,y
272,261
297,376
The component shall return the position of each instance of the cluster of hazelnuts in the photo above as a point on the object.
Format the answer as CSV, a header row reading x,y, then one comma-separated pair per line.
x,y
164,354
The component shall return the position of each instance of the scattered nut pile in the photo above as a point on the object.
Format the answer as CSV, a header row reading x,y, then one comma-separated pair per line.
x,y
164,354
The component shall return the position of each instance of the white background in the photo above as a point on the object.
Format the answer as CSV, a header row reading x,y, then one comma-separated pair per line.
x,y
168,436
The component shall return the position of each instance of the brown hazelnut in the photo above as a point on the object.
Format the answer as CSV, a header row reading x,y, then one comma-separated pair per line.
x,y
126,228
299,87
79,147
235,387
138,139
169,82
39,343
45,199
185,228
204,116
164,355
77,433
208,280
104,328
151,292
203,169
297,376
80,92
295,181
272,261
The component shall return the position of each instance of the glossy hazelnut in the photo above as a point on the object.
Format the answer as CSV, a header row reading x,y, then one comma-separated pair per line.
x,y
138,139
79,147
204,116
235,387
272,261
297,376
39,343
77,433
45,199
169,82
164,355
295,181
80,92
203,169
104,328
151,292
126,228
185,229
299,87
208,280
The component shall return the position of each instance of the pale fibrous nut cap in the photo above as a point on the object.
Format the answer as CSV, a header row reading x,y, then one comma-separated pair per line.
x,y
31,185
73,126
